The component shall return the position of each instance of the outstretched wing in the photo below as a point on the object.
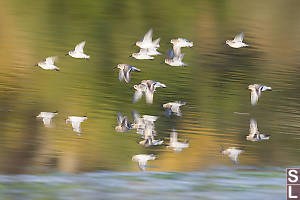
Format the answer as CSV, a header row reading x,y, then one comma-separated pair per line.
x,y
148,36
137,96
171,53
50,60
239,37
254,97
121,75
79,47
253,127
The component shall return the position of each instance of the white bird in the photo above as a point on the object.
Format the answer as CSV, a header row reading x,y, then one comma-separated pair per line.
x,y
237,42
142,55
123,123
48,64
142,159
78,51
151,88
125,70
254,134
47,118
173,107
76,121
175,57
181,42
147,43
232,153
174,144
256,92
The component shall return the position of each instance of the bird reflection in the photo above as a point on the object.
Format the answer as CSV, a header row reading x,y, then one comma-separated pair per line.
x,y
123,124
76,121
142,160
145,127
47,118
174,144
173,107
254,134
232,153
256,92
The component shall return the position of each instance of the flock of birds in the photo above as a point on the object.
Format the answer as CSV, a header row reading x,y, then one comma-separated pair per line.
x,y
145,125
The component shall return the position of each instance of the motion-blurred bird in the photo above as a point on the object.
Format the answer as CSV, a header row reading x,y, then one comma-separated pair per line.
x,y
174,144
48,64
142,159
232,153
173,107
181,42
78,51
175,57
256,92
147,43
123,123
76,121
254,134
47,118
237,42
125,71
151,88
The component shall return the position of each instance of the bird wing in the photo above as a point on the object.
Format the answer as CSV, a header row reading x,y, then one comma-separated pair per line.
x,y
50,60
148,36
254,97
120,118
149,96
253,127
137,96
79,47
239,37
121,75
76,126
177,50
171,53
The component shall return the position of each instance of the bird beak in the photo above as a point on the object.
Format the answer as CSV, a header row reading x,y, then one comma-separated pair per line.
x,y
130,56
36,65
66,54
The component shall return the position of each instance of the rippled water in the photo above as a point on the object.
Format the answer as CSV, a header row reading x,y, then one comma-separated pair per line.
x,y
214,86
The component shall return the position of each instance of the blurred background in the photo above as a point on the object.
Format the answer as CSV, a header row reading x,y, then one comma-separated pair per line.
x,y
214,86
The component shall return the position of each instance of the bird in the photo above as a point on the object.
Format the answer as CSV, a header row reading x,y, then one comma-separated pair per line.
x,y
149,132
256,92
174,144
78,51
151,88
142,159
123,124
76,122
182,42
125,70
232,153
47,118
146,87
237,42
254,134
48,63
175,57
146,42
173,107
142,55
